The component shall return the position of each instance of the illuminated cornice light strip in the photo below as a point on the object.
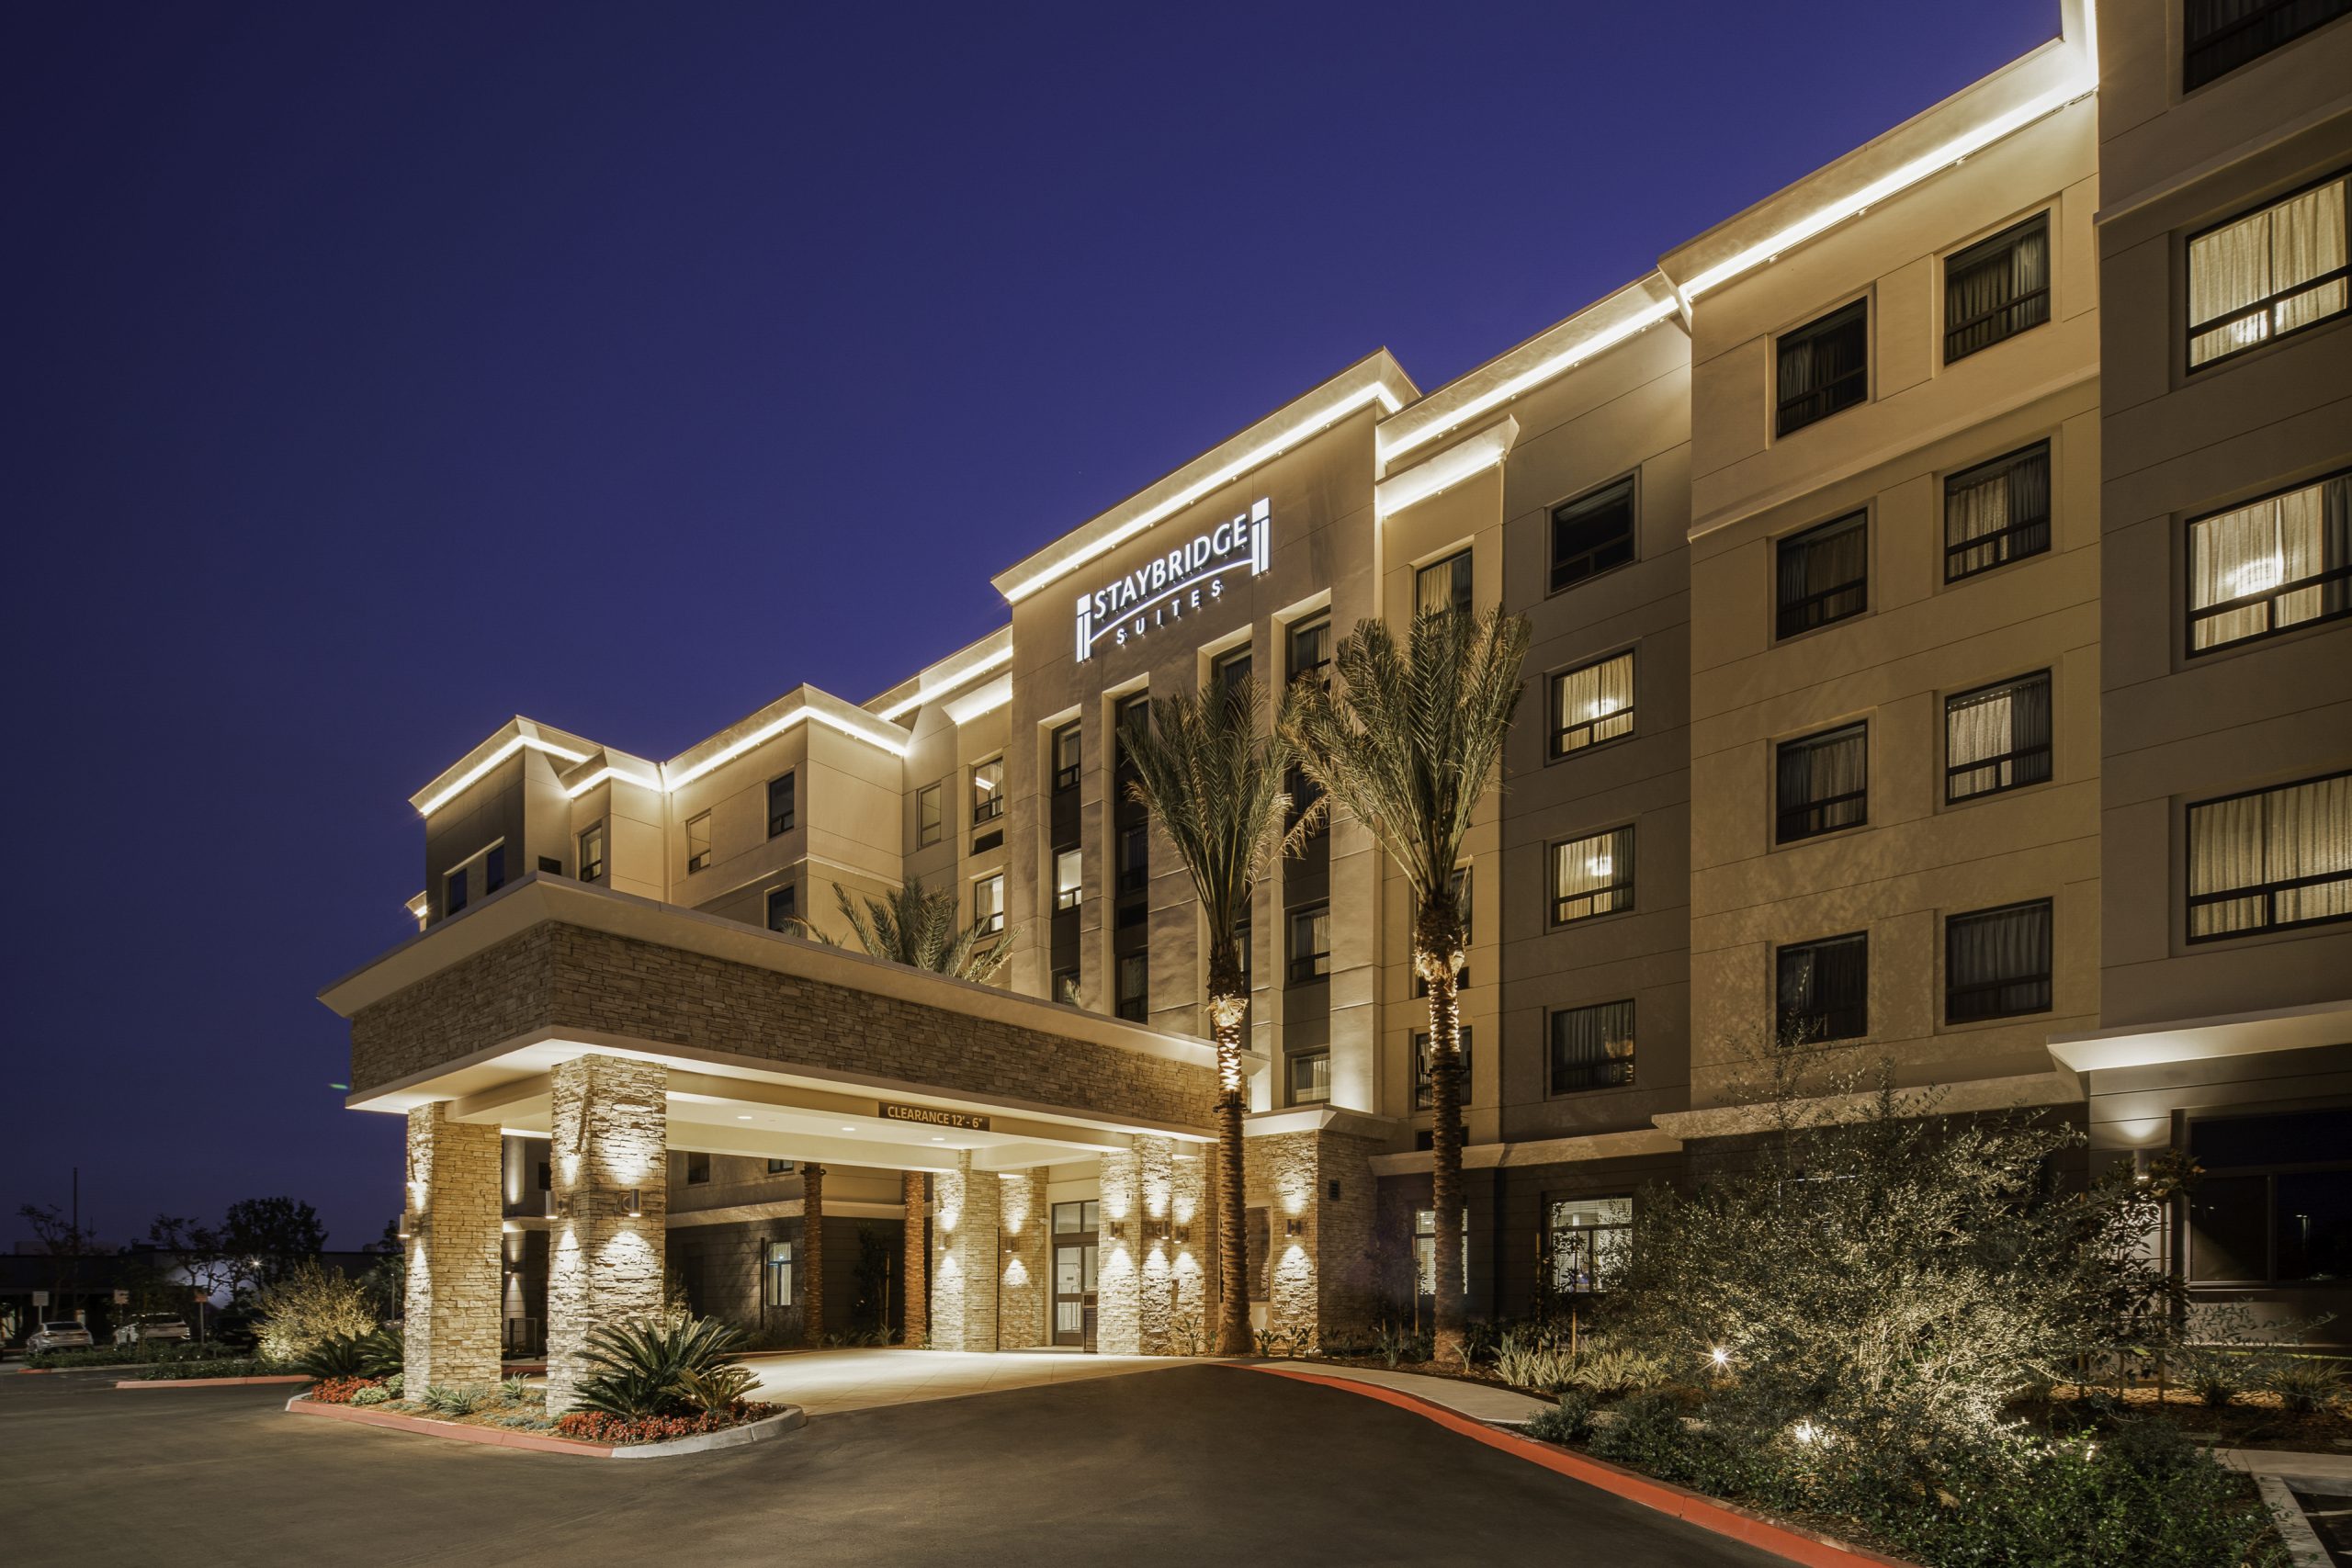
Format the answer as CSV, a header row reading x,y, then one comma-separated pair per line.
x,y
963,677
1583,348
1311,423
894,744
476,774
1968,141
650,778
1449,468
986,700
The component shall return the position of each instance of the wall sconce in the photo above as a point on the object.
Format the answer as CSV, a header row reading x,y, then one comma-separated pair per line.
x,y
636,1202
1155,1230
1115,1229
1183,1234
560,1205
1294,1225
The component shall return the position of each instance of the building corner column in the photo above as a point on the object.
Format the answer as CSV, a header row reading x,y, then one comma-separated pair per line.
x,y
812,1247
914,1301
451,1222
610,1179
1024,1283
963,1259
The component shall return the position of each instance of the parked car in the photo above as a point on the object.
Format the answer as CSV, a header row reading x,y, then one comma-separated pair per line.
x,y
62,1334
150,1326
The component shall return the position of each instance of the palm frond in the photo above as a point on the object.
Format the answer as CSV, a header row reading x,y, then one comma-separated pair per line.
x,y
921,927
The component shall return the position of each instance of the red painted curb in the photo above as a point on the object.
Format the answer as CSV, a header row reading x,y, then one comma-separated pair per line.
x,y
210,1382
491,1435
1724,1518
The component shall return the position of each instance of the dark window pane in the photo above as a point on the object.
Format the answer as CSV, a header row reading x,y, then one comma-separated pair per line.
x,y
453,896
1443,585
783,904
1997,737
1310,648
1824,367
783,805
2298,1137
1823,990
1593,1047
1997,962
1823,575
493,870
1066,757
1997,512
1591,533
1422,1097
2228,1223
1823,783
2219,36
1996,289
2314,1221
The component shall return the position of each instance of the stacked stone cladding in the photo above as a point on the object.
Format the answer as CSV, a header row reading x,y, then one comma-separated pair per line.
x,y
609,1155
966,1217
1025,1287
451,1320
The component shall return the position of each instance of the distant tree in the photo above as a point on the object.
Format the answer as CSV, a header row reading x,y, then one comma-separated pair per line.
x,y
64,1241
387,1278
269,1237
202,1257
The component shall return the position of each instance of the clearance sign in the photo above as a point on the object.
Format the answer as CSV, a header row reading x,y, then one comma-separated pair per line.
x,y
1164,588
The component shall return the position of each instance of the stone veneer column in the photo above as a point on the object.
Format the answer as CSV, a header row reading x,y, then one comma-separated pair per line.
x,y
812,1255
1320,1276
964,1259
1170,1178
1024,1280
915,1313
1118,1275
611,1175
454,1218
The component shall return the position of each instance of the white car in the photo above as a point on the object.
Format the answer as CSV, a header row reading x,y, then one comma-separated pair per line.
x,y
150,1326
64,1335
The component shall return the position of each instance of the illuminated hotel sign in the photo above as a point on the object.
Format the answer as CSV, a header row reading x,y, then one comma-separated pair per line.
x,y
1164,588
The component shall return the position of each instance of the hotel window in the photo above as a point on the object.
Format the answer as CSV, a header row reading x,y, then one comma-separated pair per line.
x,y
1823,990
697,1169
1135,858
784,909
2271,859
1065,987
2271,565
1996,289
1997,512
1587,1238
1133,713
1068,867
988,903
1310,648
592,853
1996,738
775,1266
1422,1097
1443,585
1135,986
1593,1047
1823,783
550,866
1303,792
1592,703
1066,758
1997,962
493,869
1592,533
453,893
779,1167
1230,669
698,842
1823,368
1592,876
1823,575
783,804
1310,943
2274,1205
2267,274
2219,36
930,817
1310,1077
1425,1248
988,790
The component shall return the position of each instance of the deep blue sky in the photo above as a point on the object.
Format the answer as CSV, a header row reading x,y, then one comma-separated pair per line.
x,y
373,373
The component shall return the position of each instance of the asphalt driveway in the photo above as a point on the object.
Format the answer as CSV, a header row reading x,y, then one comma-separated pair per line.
x,y
1193,1466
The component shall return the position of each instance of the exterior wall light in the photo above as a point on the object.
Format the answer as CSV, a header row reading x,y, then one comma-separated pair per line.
x,y
560,1205
636,1202
1294,1225
1183,1234
1116,1228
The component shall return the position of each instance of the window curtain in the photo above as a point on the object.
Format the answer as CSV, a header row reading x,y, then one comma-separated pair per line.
x,y
2007,949
2309,834
1982,503
1816,771
1593,1047
1823,989
2266,256
1817,359
2005,292
2307,241
1595,703
2225,852
2285,539
1818,564
1987,728
1589,875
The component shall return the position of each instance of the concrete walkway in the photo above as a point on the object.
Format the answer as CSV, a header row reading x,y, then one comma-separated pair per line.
x,y
1480,1402
825,1383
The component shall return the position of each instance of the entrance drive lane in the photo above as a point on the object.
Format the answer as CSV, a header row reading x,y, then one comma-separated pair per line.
x,y
1197,1464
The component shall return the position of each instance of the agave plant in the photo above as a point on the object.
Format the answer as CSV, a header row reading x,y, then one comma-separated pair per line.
x,y
716,1389
642,1365
343,1356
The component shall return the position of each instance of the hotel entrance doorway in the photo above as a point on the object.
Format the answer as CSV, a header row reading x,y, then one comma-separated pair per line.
x,y
1076,1253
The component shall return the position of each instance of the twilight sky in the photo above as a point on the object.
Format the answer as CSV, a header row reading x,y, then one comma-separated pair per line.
x,y
374,373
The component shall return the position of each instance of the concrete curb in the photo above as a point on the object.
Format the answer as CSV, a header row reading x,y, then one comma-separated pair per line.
x,y
790,1418
2304,1548
211,1383
1793,1542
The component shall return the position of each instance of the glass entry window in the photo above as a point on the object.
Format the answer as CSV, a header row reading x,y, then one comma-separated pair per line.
x,y
1077,1255
1586,1238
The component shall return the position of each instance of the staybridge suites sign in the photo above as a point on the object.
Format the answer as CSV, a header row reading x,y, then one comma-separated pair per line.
x,y
1168,587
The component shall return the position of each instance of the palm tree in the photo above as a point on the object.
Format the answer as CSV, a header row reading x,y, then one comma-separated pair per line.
x,y
913,925
1407,743
1215,781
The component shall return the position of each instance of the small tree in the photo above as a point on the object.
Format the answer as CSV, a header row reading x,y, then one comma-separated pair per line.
x,y
202,1257
270,1237
309,1304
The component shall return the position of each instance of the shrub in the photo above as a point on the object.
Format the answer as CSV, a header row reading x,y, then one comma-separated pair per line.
x,y
639,1364
462,1401
1570,1421
311,1305
373,1394
396,1384
2305,1384
214,1367
1398,1343
344,1391
1647,1433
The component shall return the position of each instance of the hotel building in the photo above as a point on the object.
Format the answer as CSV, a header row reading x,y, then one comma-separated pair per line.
x,y
1940,577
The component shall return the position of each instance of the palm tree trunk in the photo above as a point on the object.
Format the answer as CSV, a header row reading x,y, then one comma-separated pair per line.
x,y
812,1241
914,1313
1226,1013
1445,1163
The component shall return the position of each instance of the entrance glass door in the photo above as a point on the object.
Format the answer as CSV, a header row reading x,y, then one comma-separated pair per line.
x,y
1076,1254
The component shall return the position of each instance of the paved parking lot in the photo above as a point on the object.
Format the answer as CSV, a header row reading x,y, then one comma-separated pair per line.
x,y
834,1381
1187,1466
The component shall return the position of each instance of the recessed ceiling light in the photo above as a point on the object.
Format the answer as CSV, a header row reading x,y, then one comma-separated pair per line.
x,y
939,1140
745,1117
848,1127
